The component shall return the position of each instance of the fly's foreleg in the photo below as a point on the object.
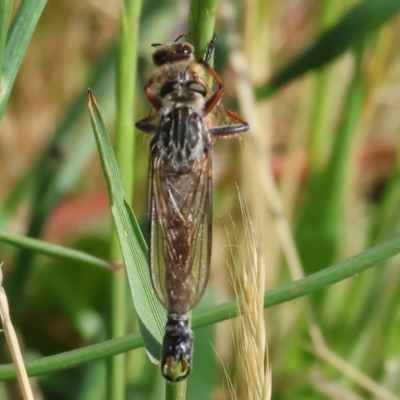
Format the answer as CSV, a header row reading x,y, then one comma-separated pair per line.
x,y
154,99
145,124
210,48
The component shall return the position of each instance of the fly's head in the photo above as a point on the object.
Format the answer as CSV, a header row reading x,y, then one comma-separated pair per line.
x,y
177,351
175,62
172,52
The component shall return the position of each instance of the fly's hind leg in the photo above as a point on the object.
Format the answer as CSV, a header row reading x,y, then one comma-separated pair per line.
x,y
145,125
230,130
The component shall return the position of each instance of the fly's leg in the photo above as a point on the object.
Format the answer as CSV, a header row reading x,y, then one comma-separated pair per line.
x,y
211,103
145,124
223,130
155,101
230,130
217,94
210,48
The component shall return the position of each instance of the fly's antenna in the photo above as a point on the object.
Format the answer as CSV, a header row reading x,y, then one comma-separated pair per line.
x,y
181,36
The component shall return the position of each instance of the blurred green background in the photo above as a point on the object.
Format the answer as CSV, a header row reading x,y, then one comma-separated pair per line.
x,y
319,83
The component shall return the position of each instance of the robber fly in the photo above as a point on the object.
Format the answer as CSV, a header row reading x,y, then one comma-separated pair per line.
x,y
180,189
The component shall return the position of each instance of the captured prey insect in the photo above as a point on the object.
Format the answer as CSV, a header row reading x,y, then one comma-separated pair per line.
x,y
180,188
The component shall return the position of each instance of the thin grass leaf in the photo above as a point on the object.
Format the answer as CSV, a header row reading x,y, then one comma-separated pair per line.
x,y
364,18
352,266
368,325
74,358
151,314
290,291
5,14
18,38
201,23
54,173
101,81
319,129
387,217
317,231
203,377
53,250
124,149
125,81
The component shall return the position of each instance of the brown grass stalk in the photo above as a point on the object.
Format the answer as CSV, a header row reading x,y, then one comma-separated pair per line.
x,y
13,344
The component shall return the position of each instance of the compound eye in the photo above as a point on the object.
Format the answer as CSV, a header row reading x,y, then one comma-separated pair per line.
x,y
197,87
169,87
187,49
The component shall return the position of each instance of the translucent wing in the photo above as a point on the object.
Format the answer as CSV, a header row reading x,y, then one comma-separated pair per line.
x,y
180,233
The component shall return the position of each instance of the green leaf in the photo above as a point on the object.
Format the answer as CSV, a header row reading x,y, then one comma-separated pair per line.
x,y
54,173
67,140
290,291
312,283
201,24
18,38
152,314
387,217
53,250
350,30
5,13
204,376
74,358
124,145
318,227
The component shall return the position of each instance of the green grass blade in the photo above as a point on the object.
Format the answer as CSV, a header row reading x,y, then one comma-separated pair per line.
x,y
74,358
290,291
387,217
124,149
18,38
53,250
51,177
125,83
350,30
319,127
176,391
317,231
350,267
67,138
5,14
201,23
151,314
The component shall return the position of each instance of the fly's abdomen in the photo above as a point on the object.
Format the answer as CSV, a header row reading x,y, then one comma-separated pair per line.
x,y
180,208
181,236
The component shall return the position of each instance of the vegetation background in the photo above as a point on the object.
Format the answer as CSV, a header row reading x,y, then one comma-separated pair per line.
x,y
319,84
